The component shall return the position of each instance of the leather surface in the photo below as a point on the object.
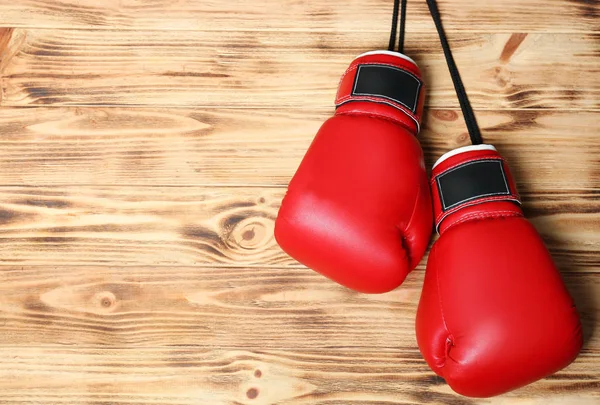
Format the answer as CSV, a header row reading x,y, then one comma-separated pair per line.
x,y
385,108
358,209
494,314
474,208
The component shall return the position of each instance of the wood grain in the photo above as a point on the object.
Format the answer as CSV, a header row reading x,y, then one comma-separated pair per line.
x,y
255,308
263,147
300,16
145,147
230,226
225,377
128,225
260,69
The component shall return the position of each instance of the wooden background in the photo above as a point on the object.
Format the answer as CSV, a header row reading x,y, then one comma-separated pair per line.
x,y
145,146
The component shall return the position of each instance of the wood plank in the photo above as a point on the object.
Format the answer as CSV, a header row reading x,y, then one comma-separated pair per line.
x,y
263,147
120,146
232,226
151,225
316,15
261,69
145,147
255,308
208,307
223,377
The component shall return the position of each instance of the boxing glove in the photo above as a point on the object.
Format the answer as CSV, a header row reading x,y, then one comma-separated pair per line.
x,y
358,209
494,314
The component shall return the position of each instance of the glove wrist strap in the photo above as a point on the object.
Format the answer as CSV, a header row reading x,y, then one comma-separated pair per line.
x,y
468,177
388,82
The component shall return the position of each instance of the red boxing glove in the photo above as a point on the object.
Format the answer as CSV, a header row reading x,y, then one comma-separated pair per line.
x,y
358,209
494,313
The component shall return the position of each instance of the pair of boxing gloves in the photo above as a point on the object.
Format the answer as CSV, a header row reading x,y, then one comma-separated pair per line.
x,y
494,314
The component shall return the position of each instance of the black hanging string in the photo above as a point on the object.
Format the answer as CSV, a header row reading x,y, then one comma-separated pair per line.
x,y
402,27
398,11
465,105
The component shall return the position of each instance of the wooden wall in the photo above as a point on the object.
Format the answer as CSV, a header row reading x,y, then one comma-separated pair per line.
x,y
145,147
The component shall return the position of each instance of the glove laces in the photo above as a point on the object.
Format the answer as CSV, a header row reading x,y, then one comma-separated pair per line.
x,y
399,9
461,93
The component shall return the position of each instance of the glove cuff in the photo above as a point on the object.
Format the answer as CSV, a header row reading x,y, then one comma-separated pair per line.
x,y
385,84
465,180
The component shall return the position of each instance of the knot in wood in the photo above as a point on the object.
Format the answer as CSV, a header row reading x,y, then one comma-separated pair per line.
x,y
462,138
445,115
250,233
502,76
105,300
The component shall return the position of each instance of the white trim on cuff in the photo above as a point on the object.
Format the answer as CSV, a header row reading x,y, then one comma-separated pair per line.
x,y
390,53
464,149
